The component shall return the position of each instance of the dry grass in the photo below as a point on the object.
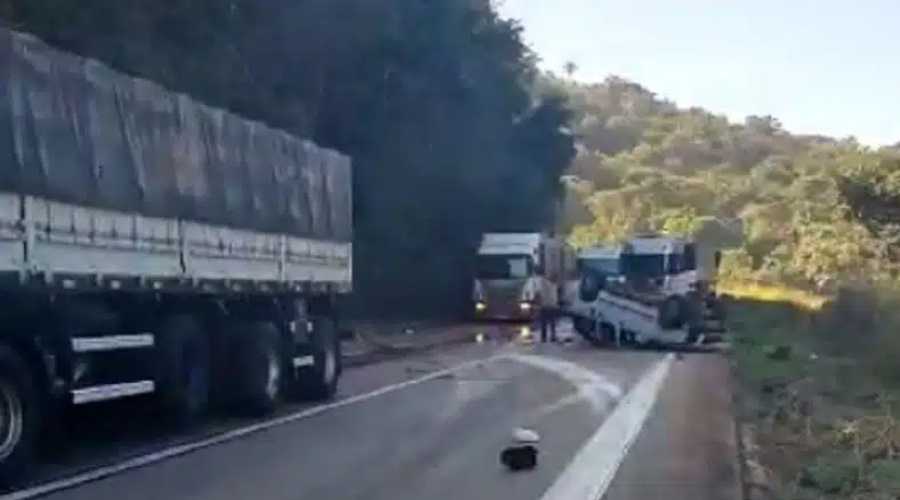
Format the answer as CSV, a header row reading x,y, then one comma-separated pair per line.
x,y
821,391
759,292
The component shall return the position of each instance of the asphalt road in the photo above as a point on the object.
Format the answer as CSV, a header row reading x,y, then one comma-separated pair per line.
x,y
619,425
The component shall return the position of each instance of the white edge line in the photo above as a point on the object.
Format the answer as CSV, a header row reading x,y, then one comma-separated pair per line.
x,y
183,449
593,468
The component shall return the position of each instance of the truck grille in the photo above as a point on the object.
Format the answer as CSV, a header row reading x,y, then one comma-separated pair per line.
x,y
502,298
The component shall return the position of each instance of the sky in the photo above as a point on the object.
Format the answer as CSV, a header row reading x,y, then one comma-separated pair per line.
x,y
829,66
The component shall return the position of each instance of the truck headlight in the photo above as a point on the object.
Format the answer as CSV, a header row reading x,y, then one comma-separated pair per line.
x,y
480,306
525,306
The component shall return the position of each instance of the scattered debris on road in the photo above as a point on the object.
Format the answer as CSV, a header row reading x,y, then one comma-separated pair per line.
x,y
523,453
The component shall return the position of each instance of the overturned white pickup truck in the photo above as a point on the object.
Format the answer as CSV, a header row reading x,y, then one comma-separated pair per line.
x,y
650,290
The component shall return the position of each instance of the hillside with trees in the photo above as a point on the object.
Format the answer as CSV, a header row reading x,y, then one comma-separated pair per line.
x,y
818,380
435,101
811,210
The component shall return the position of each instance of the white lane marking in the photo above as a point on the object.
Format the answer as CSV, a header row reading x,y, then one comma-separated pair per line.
x,y
183,449
591,471
586,381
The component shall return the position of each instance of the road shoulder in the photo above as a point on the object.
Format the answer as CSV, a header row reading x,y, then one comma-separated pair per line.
x,y
687,449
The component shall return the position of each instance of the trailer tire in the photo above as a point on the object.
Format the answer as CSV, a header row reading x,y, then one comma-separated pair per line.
x,y
319,382
19,416
258,367
183,378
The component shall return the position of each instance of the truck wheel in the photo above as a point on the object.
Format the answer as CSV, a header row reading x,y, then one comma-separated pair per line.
x,y
319,381
257,372
183,379
19,418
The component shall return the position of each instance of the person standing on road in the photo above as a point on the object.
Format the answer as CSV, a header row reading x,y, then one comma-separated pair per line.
x,y
548,313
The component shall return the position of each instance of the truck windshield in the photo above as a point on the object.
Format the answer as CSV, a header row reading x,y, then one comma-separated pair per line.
x,y
607,266
644,265
499,267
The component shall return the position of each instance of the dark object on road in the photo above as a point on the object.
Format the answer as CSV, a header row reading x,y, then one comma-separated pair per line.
x,y
522,455
519,457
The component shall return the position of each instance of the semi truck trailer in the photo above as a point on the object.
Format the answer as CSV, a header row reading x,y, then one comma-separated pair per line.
x,y
153,246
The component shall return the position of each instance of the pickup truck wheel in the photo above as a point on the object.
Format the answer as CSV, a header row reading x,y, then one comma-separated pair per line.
x,y
671,313
320,381
183,380
258,367
19,417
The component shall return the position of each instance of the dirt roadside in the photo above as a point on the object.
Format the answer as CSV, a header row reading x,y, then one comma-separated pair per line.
x,y
817,418
687,449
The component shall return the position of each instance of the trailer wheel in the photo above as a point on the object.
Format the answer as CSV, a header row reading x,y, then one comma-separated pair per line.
x,y
19,416
183,379
320,381
257,372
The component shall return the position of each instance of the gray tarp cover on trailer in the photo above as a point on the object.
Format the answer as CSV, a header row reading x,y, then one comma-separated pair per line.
x,y
73,130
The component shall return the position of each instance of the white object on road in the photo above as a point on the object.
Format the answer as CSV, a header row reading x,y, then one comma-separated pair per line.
x,y
525,436
522,455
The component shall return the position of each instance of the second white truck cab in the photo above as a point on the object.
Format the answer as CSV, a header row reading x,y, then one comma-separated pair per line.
x,y
665,261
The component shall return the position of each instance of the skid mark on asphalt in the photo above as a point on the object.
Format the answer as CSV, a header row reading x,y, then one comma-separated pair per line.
x,y
476,382
591,386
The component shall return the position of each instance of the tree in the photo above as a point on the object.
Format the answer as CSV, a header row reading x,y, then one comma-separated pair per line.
x,y
436,102
810,208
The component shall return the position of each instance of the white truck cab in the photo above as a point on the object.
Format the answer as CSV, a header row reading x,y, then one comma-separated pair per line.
x,y
513,272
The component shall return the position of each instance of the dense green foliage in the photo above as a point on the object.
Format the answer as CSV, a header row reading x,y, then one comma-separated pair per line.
x,y
810,209
434,100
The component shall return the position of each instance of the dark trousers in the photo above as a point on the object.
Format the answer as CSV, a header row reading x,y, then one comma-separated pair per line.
x,y
547,317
